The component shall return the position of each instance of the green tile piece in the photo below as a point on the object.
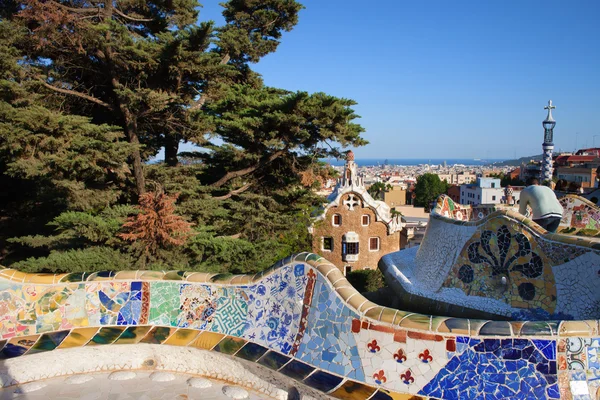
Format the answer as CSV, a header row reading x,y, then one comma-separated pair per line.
x,y
229,345
164,303
158,335
106,335
48,341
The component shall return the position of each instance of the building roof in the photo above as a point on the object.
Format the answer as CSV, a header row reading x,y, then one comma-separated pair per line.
x,y
350,182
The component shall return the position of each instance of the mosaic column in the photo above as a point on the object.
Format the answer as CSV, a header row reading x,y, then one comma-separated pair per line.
x,y
548,145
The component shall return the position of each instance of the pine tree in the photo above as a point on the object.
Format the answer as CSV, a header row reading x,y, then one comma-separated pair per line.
x,y
147,67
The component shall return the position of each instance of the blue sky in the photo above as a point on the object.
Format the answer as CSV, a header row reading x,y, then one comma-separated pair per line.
x,y
448,79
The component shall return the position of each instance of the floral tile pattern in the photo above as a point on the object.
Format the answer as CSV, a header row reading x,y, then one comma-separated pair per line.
x,y
399,362
275,307
507,264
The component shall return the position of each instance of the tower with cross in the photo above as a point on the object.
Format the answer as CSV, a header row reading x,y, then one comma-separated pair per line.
x,y
548,145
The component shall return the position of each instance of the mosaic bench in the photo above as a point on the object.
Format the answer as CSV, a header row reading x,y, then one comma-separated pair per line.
x,y
302,320
580,214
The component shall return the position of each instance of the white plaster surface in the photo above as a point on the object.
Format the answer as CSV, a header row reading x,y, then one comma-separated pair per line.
x,y
78,379
439,250
139,388
121,376
162,376
578,286
125,358
235,392
398,270
200,383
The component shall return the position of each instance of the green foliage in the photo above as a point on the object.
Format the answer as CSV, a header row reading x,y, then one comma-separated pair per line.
x,y
377,189
366,280
90,259
90,91
428,188
72,230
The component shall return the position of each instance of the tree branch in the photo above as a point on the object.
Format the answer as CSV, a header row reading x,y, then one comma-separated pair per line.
x,y
73,9
77,94
122,14
234,192
200,102
245,171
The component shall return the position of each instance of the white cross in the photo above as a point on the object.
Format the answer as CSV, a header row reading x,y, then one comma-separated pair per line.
x,y
549,107
351,202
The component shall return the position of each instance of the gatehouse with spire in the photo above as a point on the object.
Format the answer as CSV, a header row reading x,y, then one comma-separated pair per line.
x,y
353,230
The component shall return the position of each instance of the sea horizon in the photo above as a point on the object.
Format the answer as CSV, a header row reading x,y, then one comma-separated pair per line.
x,y
368,162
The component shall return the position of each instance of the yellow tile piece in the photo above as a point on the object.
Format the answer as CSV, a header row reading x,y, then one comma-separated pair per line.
x,y
351,390
7,273
575,328
416,321
78,337
200,277
152,275
133,334
399,396
374,313
19,276
127,275
357,300
388,315
24,341
182,337
44,279
207,340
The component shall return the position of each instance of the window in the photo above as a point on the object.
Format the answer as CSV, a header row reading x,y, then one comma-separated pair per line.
x,y
351,248
347,269
493,185
374,244
493,198
478,197
337,220
327,244
365,220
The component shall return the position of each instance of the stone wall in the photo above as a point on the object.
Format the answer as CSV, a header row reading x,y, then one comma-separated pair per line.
x,y
302,320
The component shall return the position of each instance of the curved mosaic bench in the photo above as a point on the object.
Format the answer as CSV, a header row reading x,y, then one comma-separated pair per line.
x,y
580,214
501,265
302,319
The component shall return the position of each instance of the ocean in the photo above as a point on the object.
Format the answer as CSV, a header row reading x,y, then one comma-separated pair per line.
x,y
366,162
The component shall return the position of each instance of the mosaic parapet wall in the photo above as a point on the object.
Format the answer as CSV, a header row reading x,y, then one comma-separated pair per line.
x,y
579,214
502,264
302,319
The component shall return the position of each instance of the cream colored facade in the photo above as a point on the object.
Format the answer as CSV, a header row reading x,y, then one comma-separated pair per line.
x,y
458,179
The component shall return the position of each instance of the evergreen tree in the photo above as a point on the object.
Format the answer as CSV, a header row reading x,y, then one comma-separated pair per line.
x,y
147,67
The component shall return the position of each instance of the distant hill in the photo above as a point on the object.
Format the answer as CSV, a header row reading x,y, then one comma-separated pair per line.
x,y
518,162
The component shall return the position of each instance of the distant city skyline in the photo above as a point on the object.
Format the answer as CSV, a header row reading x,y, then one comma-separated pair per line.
x,y
465,79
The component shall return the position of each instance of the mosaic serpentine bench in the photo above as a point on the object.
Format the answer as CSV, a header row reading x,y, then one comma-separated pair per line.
x,y
302,319
502,266
580,214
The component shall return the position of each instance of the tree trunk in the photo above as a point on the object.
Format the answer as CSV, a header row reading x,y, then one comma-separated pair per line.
x,y
171,150
138,169
128,118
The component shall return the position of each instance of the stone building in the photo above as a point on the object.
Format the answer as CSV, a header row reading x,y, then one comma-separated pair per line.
x,y
353,231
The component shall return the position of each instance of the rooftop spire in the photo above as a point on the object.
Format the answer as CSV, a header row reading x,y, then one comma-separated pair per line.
x,y
549,107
